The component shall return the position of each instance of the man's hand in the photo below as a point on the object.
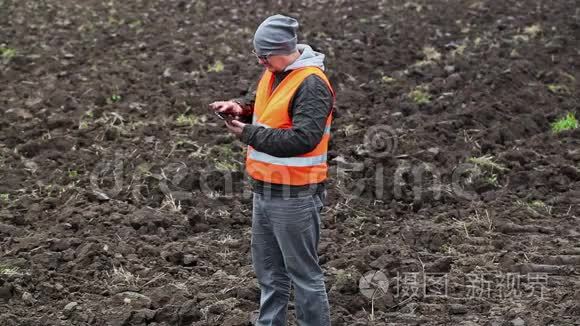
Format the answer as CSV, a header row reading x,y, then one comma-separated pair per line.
x,y
236,127
228,107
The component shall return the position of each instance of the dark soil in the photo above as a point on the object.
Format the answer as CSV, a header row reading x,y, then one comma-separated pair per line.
x,y
114,204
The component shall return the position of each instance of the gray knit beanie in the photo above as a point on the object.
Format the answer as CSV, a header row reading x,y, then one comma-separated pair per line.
x,y
276,36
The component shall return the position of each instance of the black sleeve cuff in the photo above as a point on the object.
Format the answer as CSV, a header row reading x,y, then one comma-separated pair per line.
x,y
248,133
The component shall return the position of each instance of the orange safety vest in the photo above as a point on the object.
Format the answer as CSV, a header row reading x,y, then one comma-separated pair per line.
x,y
271,111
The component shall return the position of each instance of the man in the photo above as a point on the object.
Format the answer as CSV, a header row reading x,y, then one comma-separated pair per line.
x,y
287,145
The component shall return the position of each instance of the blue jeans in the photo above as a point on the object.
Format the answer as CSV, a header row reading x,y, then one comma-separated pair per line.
x,y
285,237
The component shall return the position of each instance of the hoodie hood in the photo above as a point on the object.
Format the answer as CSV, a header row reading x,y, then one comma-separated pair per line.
x,y
308,58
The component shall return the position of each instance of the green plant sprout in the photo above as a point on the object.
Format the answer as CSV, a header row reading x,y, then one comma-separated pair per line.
x,y
188,120
387,79
73,174
420,96
6,53
8,270
567,123
218,66
559,89
492,180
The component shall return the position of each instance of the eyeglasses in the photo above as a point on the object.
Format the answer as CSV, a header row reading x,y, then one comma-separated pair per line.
x,y
261,57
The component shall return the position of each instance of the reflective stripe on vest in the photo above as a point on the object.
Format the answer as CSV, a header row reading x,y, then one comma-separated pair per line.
x,y
287,161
